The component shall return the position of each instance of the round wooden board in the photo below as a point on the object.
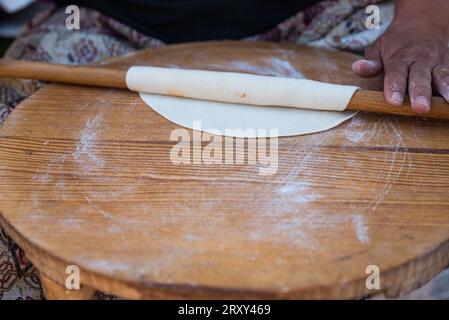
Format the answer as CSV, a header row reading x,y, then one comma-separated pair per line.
x,y
86,179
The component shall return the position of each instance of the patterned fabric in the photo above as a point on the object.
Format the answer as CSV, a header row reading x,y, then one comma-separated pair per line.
x,y
337,24
328,21
18,278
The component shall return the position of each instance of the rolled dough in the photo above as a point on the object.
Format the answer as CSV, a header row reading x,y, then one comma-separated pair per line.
x,y
241,105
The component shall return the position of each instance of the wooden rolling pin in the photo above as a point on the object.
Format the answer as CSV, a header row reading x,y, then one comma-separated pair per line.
x,y
363,100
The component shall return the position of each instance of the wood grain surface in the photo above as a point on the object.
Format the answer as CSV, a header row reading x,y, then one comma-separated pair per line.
x,y
86,179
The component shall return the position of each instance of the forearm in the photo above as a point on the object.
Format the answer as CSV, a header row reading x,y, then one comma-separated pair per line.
x,y
416,12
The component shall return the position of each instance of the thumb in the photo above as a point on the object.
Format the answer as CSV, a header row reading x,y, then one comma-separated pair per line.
x,y
371,65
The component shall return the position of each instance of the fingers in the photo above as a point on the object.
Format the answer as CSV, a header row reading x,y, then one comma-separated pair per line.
x,y
400,75
440,76
371,65
395,81
420,87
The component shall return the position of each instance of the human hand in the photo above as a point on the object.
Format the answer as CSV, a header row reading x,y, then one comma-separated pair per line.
x,y
414,55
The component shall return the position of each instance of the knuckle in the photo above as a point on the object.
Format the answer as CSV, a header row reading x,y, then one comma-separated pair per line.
x,y
399,69
421,68
422,78
422,65
396,67
396,77
442,84
395,86
441,72
421,91
442,81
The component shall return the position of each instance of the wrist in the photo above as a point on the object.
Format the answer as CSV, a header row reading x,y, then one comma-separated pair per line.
x,y
431,15
423,30
423,27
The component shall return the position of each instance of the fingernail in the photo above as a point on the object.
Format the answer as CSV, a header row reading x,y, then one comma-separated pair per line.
x,y
356,66
370,63
421,104
397,98
362,64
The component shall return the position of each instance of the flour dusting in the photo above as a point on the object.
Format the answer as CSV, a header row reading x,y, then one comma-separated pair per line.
x,y
361,229
298,192
85,152
399,157
295,185
359,130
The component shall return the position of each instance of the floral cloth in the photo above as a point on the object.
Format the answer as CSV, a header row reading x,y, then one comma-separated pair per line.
x,y
338,24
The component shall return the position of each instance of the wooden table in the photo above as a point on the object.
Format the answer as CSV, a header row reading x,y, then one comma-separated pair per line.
x,y
86,180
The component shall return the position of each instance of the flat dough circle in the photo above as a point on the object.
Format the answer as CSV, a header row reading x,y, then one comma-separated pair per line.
x,y
253,121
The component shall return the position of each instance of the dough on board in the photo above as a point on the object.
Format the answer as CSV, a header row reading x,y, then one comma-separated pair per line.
x,y
239,104
253,121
